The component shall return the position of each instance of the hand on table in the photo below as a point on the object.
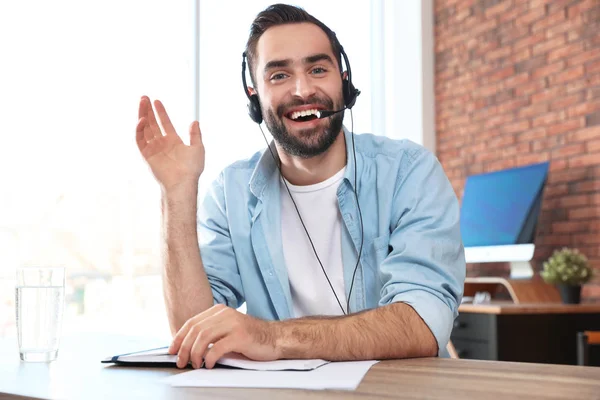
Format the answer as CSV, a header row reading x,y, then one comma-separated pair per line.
x,y
227,330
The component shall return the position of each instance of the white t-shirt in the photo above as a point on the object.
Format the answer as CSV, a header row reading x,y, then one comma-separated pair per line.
x,y
318,206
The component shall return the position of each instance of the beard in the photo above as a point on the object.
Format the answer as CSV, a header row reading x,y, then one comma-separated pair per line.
x,y
309,142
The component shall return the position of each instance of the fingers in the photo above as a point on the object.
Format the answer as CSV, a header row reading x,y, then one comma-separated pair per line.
x,y
165,121
139,134
195,134
190,323
204,338
152,129
226,345
199,336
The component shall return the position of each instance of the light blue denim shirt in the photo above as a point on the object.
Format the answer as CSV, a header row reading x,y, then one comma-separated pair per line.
x,y
412,250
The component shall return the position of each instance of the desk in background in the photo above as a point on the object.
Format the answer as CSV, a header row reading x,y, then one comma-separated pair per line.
x,y
541,333
78,374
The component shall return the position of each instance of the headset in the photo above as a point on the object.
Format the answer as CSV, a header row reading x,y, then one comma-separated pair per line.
x,y
350,93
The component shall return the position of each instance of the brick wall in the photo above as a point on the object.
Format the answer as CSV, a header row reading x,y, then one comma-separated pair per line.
x,y
518,82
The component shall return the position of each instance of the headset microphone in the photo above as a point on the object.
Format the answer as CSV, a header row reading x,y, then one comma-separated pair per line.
x,y
328,113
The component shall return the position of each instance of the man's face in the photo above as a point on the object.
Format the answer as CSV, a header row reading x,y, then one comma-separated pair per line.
x,y
296,72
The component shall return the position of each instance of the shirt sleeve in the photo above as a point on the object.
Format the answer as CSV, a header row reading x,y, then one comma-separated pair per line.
x,y
216,248
426,266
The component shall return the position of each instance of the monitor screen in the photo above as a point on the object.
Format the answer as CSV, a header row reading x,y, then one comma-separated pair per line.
x,y
502,208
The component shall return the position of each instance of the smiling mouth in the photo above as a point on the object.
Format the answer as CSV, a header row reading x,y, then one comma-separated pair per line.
x,y
304,115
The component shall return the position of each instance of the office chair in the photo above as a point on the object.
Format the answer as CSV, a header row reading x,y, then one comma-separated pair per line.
x,y
584,341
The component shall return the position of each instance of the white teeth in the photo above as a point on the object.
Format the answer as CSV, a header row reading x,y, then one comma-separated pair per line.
x,y
304,113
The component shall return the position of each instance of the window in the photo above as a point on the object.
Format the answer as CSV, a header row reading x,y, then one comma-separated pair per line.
x,y
76,192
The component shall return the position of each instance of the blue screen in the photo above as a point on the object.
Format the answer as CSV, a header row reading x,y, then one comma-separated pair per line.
x,y
496,206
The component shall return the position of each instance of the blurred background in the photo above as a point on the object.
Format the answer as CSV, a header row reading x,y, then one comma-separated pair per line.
x,y
485,84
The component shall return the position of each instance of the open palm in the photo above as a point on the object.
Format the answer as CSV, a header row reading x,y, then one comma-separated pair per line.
x,y
171,161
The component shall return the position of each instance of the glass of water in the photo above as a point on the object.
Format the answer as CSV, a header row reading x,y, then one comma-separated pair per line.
x,y
40,297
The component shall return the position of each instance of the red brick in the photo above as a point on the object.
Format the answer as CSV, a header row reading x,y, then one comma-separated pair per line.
x,y
521,55
533,110
533,158
516,127
564,102
485,157
532,134
548,45
497,120
574,201
592,67
564,28
565,51
499,8
585,159
587,238
583,109
529,41
514,12
531,87
570,150
535,14
501,141
501,74
564,127
584,213
498,53
516,80
557,190
593,146
569,227
547,94
584,57
549,118
512,105
548,70
587,186
545,144
550,20
581,7
568,75
557,166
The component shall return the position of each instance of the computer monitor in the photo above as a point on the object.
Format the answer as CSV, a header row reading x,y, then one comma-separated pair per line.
x,y
499,215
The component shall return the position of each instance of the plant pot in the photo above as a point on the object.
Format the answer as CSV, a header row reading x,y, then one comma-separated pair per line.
x,y
570,294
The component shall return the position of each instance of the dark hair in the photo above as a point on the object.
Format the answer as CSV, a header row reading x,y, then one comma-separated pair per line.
x,y
282,14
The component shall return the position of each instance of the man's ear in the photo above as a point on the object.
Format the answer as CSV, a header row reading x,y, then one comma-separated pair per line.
x,y
345,75
251,91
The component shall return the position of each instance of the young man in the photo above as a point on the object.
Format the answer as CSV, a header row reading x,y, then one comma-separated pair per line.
x,y
283,231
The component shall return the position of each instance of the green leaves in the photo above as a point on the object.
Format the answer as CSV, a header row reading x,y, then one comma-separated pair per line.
x,y
568,267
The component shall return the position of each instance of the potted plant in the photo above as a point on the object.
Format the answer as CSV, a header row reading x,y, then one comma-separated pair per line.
x,y
568,269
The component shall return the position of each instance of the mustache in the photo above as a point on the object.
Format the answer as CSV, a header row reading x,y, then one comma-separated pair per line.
x,y
283,108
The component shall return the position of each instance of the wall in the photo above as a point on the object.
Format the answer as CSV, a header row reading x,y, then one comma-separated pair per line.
x,y
518,82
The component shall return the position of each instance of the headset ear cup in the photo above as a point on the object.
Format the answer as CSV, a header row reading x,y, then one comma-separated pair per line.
x,y
254,109
350,93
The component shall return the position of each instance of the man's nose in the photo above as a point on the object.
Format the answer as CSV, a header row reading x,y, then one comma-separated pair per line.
x,y
304,87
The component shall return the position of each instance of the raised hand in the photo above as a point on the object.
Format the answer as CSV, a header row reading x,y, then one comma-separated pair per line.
x,y
172,162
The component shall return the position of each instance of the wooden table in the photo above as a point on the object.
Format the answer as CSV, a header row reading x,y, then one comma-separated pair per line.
x,y
78,374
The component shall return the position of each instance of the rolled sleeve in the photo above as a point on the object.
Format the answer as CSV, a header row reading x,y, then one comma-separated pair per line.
x,y
435,313
426,266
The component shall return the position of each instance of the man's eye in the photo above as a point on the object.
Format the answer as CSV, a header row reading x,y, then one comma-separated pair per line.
x,y
278,77
318,70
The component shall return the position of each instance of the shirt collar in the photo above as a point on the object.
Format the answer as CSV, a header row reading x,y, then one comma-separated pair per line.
x,y
267,166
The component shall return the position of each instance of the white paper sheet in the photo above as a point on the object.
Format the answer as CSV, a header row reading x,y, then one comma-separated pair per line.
x,y
335,375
